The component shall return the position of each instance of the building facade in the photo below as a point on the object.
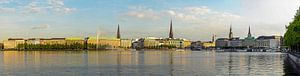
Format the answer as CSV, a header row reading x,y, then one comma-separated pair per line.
x,y
112,43
235,42
12,43
209,44
197,45
126,43
269,42
222,42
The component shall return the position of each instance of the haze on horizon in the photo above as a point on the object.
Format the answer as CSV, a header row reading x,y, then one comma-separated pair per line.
x,y
192,19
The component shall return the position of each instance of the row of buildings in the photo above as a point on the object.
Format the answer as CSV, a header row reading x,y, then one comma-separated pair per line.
x,y
14,43
261,42
110,43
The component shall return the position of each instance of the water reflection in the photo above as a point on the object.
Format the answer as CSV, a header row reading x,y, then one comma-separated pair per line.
x,y
140,63
250,64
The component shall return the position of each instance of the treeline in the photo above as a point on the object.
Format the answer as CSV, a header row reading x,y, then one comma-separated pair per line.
x,y
74,46
292,36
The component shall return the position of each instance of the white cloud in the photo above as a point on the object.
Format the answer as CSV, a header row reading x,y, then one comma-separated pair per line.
x,y
143,13
201,15
269,11
59,6
37,7
4,1
269,16
45,26
34,8
190,21
198,10
7,10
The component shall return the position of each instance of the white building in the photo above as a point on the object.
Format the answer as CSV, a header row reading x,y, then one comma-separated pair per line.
x,y
268,42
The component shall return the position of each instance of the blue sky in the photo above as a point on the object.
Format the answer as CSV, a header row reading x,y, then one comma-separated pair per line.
x,y
192,19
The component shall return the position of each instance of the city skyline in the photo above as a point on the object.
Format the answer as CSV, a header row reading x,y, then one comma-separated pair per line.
x,y
193,19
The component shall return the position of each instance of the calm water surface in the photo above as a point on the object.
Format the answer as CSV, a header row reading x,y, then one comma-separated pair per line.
x,y
140,63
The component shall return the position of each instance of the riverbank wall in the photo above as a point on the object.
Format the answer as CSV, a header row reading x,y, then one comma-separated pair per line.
x,y
294,60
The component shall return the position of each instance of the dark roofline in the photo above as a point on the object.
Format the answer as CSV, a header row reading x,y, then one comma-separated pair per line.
x,y
15,39
267,37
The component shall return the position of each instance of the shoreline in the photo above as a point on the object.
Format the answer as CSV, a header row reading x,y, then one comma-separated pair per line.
x,y
117,49
294,61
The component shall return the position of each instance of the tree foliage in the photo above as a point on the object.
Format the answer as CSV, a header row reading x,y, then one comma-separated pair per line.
x,y
292,36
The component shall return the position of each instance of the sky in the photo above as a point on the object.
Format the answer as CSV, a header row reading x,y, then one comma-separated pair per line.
x,y
192,19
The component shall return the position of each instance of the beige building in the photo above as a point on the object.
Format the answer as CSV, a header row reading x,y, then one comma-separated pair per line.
x,y
112,42
186,43
156,42
208,44
151,42
178,43
12,43
52,41
126,43
69,41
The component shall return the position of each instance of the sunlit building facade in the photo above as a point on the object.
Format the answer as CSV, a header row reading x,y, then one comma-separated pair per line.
x,y
158,42
208,44
126,43
110,42
12,43
69,41
52,41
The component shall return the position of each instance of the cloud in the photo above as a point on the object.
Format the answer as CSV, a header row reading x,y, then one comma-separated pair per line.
x,y
269,11
186,14
198,10
141,12
188,21
45,26
7,10
201,14
34,8
269,16
37,7
4,1
59,6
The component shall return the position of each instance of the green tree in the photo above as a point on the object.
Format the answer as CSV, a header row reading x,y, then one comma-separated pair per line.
x,y
292,36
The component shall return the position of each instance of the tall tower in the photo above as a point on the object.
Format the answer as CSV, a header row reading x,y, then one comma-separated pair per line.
x,y
118,32
249,32
230,33
171,31
213,38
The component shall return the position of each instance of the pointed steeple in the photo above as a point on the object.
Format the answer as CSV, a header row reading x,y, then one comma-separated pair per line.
x,y
171,31
230,32
118,32
213,38
249,32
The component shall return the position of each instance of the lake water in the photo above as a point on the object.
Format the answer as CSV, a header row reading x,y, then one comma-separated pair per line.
x,y
141,63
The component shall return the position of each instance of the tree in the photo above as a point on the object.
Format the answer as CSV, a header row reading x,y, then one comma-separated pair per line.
x,y
292,36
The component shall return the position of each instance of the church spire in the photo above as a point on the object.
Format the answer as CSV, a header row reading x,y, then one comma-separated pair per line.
x,y
118,32
213,38
249,32
171,31
230,32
